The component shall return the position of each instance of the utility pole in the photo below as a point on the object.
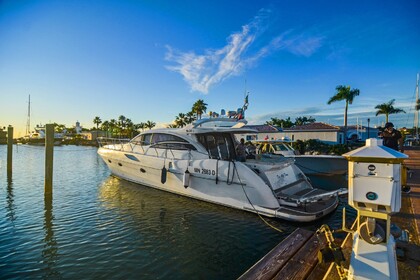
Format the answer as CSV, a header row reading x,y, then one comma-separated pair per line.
x,y
416,111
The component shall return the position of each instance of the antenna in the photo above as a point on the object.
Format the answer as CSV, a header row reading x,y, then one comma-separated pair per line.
x,y
245,89
28,122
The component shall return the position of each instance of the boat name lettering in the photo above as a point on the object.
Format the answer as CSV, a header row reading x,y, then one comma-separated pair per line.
x,y
205,171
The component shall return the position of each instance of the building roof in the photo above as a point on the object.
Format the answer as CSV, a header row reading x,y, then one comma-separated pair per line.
x,y
316,126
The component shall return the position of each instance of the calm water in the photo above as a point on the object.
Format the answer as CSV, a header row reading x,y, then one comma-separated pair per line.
x,y
98,226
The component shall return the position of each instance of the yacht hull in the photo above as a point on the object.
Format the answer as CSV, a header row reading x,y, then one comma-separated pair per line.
x,y
232,184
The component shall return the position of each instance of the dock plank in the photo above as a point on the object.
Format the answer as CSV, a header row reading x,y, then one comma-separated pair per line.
x,y
303,262
270,264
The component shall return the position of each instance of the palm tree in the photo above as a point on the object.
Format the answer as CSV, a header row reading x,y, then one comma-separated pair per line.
x,y
388,109
199,108
280,122
121,124
189,117
97,120
181,120
130,128
106,125
150,124
304,120
113,126
347,94
141,126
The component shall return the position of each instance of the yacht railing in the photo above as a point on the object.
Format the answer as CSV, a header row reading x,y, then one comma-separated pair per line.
x,y
118,144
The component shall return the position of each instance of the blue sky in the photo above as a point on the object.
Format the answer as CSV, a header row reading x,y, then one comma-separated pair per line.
x,y
150,60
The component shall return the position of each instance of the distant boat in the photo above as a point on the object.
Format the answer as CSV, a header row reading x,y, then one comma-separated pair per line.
x,y
325,165
200,161
37,137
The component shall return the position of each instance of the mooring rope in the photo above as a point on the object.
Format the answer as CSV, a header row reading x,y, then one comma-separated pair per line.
x,y
249,200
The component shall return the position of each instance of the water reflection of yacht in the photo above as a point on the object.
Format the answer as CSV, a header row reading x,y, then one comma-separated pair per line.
x,y
326,165
199,161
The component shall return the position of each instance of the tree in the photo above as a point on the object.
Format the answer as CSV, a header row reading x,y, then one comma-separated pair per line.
x,y
105,127
97,120
113,126
280,122
388,109
348,95
181,120
141,126
121,124
304,120
199,108
189,117
129,128
60,128
150,124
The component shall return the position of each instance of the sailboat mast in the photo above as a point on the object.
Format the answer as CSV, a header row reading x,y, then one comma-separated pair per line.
x,y
28,122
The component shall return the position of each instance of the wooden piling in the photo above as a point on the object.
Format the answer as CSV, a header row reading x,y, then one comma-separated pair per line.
x,y
49,156
9,149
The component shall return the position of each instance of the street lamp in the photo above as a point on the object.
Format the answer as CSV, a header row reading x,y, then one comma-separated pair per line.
x,y
368,128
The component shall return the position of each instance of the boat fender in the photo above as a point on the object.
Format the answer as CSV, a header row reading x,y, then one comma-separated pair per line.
x,y
163,175
186,179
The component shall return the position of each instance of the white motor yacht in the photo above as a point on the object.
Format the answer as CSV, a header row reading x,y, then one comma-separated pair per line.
x,y
200,161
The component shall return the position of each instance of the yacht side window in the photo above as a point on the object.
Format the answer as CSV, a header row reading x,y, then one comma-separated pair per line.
x,y
146,140
143,139
169,141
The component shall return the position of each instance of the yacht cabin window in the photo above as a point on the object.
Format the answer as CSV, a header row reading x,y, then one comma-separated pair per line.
x,y
218,145
163,141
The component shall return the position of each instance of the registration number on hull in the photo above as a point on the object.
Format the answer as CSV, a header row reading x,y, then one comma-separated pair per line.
x,y
204,171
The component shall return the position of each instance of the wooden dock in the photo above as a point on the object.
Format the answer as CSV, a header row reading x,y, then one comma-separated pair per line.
x,y
296,256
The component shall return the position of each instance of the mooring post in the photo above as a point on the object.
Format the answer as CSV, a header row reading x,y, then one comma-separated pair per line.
x,y
9,149
49,155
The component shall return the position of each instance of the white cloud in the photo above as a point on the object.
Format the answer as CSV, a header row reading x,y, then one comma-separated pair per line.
x,y
201,71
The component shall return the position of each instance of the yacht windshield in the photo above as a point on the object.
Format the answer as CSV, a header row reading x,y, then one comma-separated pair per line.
x,y
280,147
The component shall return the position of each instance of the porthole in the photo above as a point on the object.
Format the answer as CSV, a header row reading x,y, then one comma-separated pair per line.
x,y
142,170
109,161
119,164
